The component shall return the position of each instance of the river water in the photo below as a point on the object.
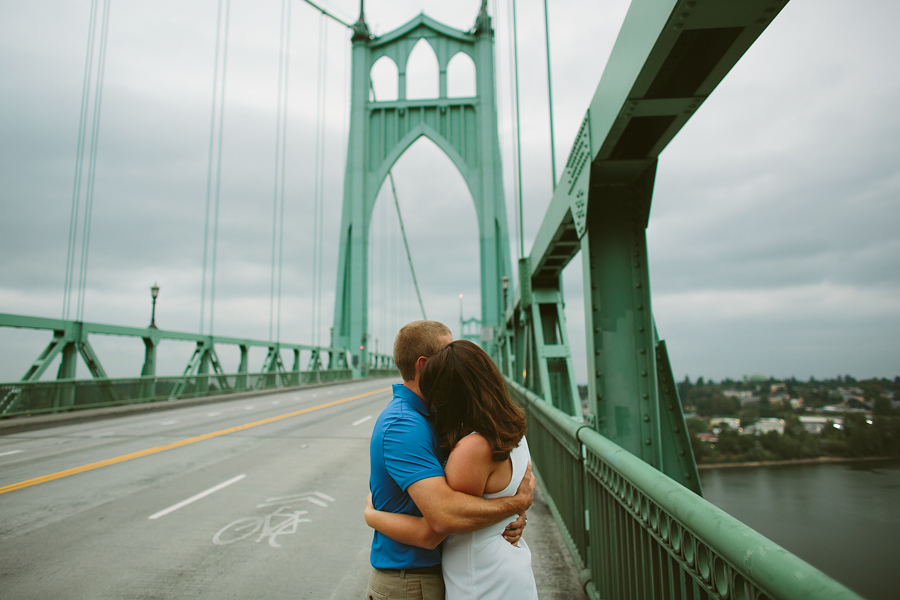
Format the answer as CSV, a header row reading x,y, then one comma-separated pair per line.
x,y
842,518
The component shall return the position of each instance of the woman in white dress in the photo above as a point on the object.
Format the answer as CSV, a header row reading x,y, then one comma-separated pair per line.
x,y
484,433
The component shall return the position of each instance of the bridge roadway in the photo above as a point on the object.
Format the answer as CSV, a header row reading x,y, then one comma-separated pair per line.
x,y
281,518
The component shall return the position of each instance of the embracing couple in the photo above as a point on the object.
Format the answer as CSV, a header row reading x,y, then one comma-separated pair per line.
x,y
449,469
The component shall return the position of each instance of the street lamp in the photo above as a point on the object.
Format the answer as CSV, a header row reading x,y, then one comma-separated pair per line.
x,y
154,292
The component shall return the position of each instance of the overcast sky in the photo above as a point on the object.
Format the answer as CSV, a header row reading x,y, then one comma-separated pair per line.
x,y
773,234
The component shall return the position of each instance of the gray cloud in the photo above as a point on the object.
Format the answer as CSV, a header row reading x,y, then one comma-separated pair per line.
x,y
772,235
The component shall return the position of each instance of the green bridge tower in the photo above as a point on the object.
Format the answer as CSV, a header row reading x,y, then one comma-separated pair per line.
x,y
465,129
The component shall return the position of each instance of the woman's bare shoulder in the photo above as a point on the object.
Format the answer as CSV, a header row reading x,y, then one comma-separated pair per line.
x,y
474,447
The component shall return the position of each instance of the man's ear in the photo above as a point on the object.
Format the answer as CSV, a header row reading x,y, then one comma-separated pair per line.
x,y
420,363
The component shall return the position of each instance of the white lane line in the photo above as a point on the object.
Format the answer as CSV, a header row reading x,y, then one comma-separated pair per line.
x,y
10,452
363,420
251,407
213,414
184,503
172,422
104,434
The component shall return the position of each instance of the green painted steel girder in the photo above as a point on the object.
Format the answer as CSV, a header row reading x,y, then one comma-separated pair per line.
x,y
465,129
669,56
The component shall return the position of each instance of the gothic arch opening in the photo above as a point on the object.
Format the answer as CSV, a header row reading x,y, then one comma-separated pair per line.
x,y
442,230
385,80
422,72
461,76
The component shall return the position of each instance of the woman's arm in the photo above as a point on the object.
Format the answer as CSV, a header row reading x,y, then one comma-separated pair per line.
x,y
406,529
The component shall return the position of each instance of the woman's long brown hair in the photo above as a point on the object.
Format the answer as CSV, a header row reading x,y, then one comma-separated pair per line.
x,y
467,393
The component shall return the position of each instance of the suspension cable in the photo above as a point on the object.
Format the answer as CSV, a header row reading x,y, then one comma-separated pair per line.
x,y
287,72
319,177
92,160
328,14
550,98
412,269
215,241
280,147
518,131
277,168
209,169
79,157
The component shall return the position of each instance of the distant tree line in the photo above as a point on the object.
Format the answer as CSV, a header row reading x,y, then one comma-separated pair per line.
x,y
870,426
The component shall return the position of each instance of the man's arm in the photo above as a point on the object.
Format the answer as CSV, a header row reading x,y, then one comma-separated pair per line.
x,y
448,511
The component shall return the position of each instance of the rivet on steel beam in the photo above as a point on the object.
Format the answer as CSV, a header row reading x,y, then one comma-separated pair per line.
x,y
643,373
637,265
646,418
596,330
599,396
760,21
646,396
598,375
597,351
648,441
640,307
681,452
643,351
641,329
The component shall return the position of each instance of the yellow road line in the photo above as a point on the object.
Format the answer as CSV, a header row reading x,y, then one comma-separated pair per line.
x,y
178,444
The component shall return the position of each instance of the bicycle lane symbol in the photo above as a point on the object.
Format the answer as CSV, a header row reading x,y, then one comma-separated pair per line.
x,y
283,521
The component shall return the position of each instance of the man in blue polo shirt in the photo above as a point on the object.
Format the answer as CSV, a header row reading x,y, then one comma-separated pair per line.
x,y
407,477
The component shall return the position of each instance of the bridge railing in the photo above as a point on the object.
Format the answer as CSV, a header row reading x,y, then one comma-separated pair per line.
x,y
636,533
21,398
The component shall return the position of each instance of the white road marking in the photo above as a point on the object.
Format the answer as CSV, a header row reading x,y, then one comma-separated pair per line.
x,y
249,407
204,494
308,496
172,422
10,452
104,434
363,420
213,414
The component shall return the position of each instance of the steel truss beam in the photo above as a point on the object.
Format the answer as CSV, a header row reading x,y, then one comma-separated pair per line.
x,y
669,56
71,339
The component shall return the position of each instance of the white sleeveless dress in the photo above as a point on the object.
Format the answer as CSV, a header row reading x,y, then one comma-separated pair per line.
x,y
482,565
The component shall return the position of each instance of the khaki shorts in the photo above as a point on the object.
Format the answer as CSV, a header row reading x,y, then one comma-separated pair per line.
x,y
402,585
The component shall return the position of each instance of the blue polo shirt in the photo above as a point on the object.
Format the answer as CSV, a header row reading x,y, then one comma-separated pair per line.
x,y
403,450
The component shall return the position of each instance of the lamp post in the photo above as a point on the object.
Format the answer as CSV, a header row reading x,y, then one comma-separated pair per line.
x,y
154,292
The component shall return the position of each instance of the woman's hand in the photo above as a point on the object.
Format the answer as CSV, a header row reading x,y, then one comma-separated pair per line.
x,y
513,531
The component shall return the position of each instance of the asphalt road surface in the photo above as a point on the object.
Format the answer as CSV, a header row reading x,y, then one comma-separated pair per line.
x,y
256,497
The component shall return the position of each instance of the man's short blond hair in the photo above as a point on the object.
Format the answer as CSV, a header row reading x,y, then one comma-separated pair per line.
x,y
419,338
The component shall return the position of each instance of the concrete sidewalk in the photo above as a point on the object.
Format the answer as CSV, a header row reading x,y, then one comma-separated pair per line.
x,y
554,571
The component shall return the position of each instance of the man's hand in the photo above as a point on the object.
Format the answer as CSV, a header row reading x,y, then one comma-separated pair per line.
x,y
525,493
514,530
